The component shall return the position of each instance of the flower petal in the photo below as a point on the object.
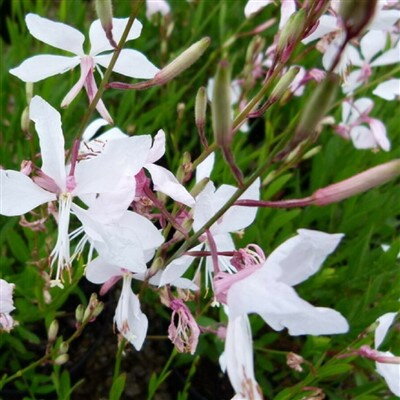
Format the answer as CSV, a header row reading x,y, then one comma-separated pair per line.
x,y
40,67
205,168
288,7
48,126
362,138
99,41
92,128
391,374
391,56
165,182
238,356
388,90
120,159
155,6
385,321
384,19
254,6
19,194
372,43
130,63
327,24
301,256
99,271
158,148
55,34
378,130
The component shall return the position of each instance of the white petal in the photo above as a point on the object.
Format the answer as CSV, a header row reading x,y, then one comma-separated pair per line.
x,y
19,194
385,321
165,182
288,7
254,6
92,128
223,242
237,217
391,56
158,148
280,306
205,206
362,138
120,159
391,374
157,6
205,168
238,355
177,268
130,63
6,297
327,24
99,271
300,256
55,34
48,126
40,67
378,130
388,90
384,19
361,106
372,43
99,41
353,81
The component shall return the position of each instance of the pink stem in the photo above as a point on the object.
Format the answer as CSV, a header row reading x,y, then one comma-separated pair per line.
x,y
214,251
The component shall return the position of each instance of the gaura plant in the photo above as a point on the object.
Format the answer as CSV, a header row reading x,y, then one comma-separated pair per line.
x,y
172,230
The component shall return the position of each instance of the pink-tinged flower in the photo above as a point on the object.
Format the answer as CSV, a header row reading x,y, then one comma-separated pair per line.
x,y
163,180
6,306
268,290
364,131
130,62
390,372
183,330
112,169
157,6
288,7
210,201
373,43
388,90
237,359
129,319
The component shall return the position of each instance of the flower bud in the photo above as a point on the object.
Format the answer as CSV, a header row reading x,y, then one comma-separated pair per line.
x,y
25,120
61,359
316,107
356,15
29,91
97,310
64,346
221,106
79,311
199,186
52,331
105,14
182,62
200,109
185,169
292,32
283,84
356,184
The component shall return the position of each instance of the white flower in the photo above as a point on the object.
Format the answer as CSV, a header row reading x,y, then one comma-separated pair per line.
x,y
364,131
6,305
390,372
157,6
268,290
130,62
112,169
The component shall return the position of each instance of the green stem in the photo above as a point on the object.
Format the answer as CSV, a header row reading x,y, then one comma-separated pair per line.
x,y
118,359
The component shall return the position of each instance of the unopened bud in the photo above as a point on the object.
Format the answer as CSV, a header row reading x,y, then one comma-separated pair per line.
x,y
283,84
254,48
317,106
64,346
356,15
97,310
105,14
29,91
182,62
61,359
185,168
158,263
291,32
52,331
200,109
25,120
359,183
79,311
199,186
221,106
